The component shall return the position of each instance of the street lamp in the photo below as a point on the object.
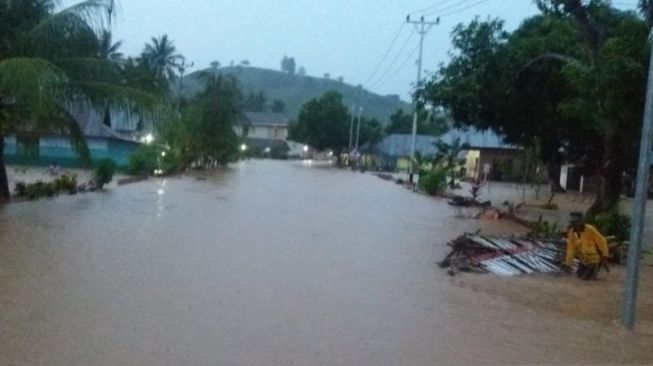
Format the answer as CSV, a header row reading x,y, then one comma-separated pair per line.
x,y
305,148
148,139
243,147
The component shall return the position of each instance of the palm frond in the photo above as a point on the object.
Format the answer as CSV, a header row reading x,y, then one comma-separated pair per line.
x,y
96,13
62,35
88,68
104,94
34,83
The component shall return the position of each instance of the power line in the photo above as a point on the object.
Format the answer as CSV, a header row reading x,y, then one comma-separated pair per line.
x,y
394,60
441,15
454,6
401,67
386,54
430,7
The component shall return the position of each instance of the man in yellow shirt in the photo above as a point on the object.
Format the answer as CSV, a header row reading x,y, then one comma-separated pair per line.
x,y
587,244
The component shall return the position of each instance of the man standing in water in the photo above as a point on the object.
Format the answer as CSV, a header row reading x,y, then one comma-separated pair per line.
x,y
587,244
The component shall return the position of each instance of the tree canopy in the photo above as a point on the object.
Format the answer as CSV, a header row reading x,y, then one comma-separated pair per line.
x,y
572,77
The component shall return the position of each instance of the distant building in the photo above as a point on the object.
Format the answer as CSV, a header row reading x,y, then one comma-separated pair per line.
x,y
117,142
486,151
263,125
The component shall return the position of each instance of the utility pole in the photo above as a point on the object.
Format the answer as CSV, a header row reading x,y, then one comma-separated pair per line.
x,y
639,206
422,27
351,122
358,127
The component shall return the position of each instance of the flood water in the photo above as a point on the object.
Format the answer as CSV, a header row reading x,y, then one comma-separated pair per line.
x,y
278,263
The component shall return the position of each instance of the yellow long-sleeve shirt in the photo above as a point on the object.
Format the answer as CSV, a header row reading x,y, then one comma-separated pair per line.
x,y
589,246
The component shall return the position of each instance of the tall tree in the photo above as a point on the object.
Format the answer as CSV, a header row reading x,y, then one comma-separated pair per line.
x,y
255,102
278,106
162,57
288,65
427,124
574,83
323,123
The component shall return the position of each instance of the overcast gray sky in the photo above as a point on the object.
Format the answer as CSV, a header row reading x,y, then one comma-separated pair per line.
x,y
340,37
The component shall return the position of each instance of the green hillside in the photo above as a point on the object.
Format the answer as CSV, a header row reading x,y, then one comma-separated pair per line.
x,y
295,90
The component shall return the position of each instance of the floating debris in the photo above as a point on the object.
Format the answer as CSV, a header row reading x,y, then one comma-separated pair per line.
x,y
503,256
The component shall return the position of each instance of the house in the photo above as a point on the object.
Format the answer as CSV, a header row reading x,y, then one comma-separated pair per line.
x,y
486,152
487,155
116,143
263,125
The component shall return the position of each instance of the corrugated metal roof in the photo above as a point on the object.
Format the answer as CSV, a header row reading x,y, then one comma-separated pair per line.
x,y
400,144
266,119
478,139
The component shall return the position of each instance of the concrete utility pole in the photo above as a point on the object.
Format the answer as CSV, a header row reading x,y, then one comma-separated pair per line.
x,y
639,206
358,127
422,27
359,89
351,124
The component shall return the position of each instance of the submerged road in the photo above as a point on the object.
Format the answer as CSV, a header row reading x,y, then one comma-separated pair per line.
x,y
266,263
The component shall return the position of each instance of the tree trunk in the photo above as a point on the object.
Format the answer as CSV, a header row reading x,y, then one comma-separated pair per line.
x,y
4,183
553,175
610,189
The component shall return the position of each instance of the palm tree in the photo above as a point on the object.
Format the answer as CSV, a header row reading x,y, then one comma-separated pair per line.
x,y
161,57
448,157
107,50
50,69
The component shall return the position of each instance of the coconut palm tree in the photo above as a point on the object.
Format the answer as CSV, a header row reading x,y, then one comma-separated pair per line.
x,y
448,157
49,69
107,50
161,56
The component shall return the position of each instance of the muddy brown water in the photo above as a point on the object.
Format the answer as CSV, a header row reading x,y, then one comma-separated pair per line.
x,y
282,263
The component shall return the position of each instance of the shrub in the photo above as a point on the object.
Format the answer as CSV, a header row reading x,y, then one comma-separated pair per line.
x,y
67,183
20,189
104,170
144,161
612,223
35,190
434,182
542,229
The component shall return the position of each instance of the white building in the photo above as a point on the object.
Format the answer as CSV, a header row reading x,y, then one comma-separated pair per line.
x,y
262,125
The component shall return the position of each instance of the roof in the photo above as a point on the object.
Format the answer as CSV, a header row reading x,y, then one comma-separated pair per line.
x,y
400,144
477,139
266,119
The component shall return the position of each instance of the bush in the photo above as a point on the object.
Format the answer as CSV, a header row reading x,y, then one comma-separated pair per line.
x,y
104,170
67,183
20,189
433,182
542,229
612,223
144,161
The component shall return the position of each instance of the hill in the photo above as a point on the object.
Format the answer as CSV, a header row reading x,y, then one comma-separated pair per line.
x,y
295,90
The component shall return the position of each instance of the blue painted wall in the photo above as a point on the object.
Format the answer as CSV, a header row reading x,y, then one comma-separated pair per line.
x,y
59,150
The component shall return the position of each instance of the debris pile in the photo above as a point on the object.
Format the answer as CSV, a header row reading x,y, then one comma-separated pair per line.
x,y
503,256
